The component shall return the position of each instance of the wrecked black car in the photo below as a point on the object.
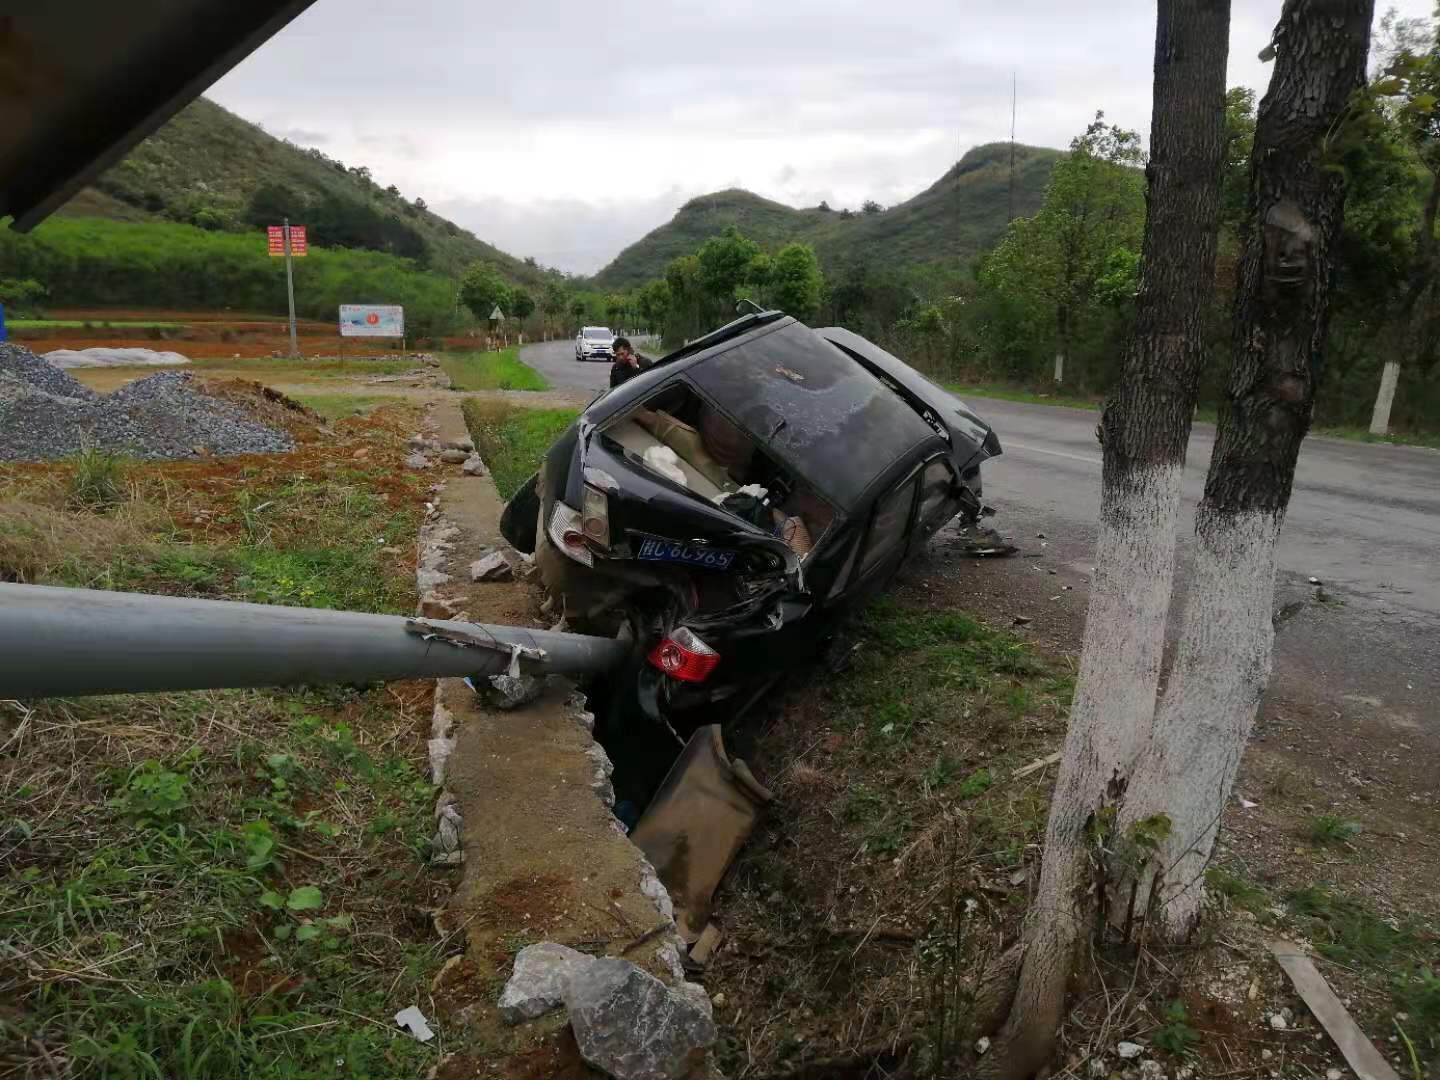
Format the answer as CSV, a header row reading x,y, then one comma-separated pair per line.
x,y
723,507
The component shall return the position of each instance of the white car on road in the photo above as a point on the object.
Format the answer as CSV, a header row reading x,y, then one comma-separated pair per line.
x,y
595,343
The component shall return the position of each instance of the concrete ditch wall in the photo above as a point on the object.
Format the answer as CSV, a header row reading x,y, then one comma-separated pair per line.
x,y
525,810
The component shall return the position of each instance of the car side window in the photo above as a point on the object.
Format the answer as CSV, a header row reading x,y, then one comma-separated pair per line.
x,y
937,494
888,526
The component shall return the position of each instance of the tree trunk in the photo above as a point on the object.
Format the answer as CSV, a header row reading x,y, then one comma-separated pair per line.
x,y
1144,432
1222,663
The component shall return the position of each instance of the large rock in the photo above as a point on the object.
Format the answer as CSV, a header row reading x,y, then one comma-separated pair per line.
x,y
539,980
493,567
632,1026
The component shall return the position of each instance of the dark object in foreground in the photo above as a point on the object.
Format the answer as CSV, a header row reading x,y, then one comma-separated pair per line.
x,y
722,508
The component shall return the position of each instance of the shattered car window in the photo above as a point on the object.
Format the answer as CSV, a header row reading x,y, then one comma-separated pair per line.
x,y
817,410
887,530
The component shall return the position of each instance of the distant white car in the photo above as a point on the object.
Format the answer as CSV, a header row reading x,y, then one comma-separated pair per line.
x,y
595,343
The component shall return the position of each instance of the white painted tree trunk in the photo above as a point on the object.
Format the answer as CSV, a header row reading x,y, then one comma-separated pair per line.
x,y
1110,722
1385,399
1060,366
1222,665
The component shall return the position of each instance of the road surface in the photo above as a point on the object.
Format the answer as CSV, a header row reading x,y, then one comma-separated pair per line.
x,y
556,361
1364,520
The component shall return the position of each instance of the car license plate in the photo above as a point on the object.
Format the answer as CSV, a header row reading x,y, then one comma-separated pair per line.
x,y
654,549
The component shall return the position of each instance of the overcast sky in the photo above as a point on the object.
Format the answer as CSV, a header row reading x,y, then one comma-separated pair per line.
x,y
566,129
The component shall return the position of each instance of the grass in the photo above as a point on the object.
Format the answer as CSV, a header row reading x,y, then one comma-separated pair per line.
x,y
1398,438
305,368
513,439
499,370
900,810
220,884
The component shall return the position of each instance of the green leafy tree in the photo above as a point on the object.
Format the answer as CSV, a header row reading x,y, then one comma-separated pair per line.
x,y
22,297
870,206
522,304
1046,270
482,289
725,260
272,202
653,304
795,281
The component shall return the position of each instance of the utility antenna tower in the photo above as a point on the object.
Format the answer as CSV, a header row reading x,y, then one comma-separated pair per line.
x,y
1010,210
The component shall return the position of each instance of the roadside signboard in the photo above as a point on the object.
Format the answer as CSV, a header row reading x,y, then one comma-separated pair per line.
x,y
3,333
372,320
298,244
497,314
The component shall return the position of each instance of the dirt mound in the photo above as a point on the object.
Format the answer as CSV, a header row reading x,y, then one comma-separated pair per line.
x,y
44,413
269,405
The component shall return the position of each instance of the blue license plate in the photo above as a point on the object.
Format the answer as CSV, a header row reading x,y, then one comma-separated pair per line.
x,y
654,549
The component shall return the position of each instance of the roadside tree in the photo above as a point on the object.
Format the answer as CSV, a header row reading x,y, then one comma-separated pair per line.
x,y
795,281
482,289
1143,777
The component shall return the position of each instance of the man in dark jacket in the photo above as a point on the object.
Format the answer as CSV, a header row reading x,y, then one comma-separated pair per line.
x,y
627,364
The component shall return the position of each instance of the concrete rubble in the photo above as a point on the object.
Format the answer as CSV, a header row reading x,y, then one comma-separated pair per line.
x,y
493,567
630,1025
538,985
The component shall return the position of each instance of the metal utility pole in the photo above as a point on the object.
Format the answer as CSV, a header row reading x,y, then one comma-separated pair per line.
x,y
71,642
290,290
1010,211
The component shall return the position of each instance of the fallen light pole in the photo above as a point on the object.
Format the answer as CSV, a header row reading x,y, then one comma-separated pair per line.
x,y
58,642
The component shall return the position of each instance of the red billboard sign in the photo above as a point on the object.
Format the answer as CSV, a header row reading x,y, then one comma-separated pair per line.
x,y
298,244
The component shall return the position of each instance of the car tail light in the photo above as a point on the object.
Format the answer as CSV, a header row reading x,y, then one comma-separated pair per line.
x,y
595,518
684,656
567,535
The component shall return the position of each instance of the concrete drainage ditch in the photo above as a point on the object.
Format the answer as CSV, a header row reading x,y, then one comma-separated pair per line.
x,y
571,943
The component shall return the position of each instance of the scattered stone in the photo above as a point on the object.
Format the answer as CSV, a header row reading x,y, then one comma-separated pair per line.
x,y
1022,620
1151,1068
513,691
453,457
426,579
493,567
1128,1050
1334,1074
437,607
982,1044
1266,1054
474,466
417,460
445,845
1278,1022
464,443
538,982
629,1024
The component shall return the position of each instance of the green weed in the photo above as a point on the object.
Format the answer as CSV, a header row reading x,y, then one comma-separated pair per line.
x,y
97,481
1329,829
1237,890
976,784
1348,932
1175,1036
499,370
153,793
513,439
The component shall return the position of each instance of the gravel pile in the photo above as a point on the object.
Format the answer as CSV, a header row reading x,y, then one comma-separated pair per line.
x,y
44,413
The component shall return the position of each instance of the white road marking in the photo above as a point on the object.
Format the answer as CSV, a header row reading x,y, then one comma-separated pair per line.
x,y
1088,459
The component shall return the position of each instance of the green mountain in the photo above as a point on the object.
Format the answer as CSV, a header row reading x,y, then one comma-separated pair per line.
x,y
951,221
206,165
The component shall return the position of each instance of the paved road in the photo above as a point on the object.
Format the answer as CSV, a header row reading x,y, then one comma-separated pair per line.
x,y
556,361
1364,519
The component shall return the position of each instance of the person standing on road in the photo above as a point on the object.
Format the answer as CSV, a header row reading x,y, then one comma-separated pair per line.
x,y
627,364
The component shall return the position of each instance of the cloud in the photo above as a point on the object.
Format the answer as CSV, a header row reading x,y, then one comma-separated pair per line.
x,y
565,130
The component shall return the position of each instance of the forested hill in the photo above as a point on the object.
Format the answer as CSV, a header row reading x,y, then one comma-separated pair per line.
x,y
953,220
210,168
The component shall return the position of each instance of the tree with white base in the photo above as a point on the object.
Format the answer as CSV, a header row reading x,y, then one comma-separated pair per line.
x,y
1143,781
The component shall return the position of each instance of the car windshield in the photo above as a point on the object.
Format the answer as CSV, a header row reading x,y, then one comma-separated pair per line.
x,y
597,335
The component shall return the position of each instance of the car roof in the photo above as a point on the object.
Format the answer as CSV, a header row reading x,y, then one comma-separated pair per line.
x,y
85,80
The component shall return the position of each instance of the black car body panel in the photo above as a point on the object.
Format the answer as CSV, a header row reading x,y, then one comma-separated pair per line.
x,y
866,454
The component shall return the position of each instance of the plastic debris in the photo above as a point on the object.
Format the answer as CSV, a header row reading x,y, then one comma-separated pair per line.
x,y
413,1021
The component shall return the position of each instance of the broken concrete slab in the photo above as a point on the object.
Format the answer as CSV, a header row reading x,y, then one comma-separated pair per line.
x,y
537,984
453,457
475,466
630,1025
493,567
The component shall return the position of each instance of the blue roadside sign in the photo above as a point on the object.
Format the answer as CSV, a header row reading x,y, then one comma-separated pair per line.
x,y
3,336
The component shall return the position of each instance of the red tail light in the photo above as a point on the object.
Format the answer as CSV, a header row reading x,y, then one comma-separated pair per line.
x,y
684,656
